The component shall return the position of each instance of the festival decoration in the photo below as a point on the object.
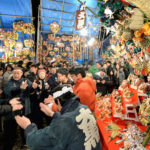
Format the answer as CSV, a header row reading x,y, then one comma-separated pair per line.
x,y
29,28
28,43
18,26
104,106
52,53
54,27
9,43
64,38
2,34
56,49
49,47
57,39
67,48
19,45
51,37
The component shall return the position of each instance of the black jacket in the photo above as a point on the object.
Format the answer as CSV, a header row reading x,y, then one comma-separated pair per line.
x,y
102,88
4,109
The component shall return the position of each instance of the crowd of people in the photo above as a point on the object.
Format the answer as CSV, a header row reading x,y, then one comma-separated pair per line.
x,y
60,96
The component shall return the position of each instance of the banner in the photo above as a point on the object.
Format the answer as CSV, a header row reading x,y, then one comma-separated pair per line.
x,y
80,19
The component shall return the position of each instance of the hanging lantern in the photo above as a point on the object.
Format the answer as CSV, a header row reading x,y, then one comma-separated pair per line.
x,y
51,37
57,39
67,48
52,53
9,43
29,28
54,27
2,34
18,26
28,43
64,54
18,45
64,38
56,49
61,45
49,47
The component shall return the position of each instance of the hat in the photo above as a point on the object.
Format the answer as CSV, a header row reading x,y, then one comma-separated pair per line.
x,y
42,70
102,69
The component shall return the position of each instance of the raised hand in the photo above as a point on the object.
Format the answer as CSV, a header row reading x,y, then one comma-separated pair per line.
x,y
34,84
24,85
45,108
23,121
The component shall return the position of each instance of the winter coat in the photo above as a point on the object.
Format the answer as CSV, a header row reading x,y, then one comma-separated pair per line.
x,y
120,76
7,75
12,89
74,129
102,88
85,89
52,81
31,76
93,70
4,109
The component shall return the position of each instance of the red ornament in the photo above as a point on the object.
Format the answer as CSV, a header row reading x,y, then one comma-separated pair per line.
x,y
148,49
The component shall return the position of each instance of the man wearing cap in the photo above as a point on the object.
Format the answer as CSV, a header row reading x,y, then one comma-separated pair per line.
x,y
15,87
74,128
102,81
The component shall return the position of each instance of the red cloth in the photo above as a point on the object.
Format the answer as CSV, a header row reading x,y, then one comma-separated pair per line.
x,y
102,124
85,89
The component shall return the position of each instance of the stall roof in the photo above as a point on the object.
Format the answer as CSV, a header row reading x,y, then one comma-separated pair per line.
x,y
13,10
64,13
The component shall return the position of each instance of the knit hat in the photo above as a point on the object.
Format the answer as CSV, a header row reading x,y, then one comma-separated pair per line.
x,y
42,70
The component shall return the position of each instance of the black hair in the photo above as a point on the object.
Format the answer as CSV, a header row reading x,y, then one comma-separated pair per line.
x,y
77,70
63,71
10,66
28,64
65,97
35,66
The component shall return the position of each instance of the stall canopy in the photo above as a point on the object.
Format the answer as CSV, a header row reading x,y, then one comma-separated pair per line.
x,y
64,13
13,10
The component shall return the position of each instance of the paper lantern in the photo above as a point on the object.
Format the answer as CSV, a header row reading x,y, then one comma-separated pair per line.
x,y
54,27
19,45
51,37
29,28
56,49
18,26
49,47
28,43
2,34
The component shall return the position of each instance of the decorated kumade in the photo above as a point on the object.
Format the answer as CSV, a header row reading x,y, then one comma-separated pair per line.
x,y
2,34
19,45
61,45
104,106
26,51
51,37
18,26
56,49
9,43
32,54
64,38
57,39
64,54
29,28
132,138
28,43
67,48
49,47
52,53
54,27
70,55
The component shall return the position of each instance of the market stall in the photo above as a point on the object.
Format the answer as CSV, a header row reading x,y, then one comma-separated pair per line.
x,y
60,36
